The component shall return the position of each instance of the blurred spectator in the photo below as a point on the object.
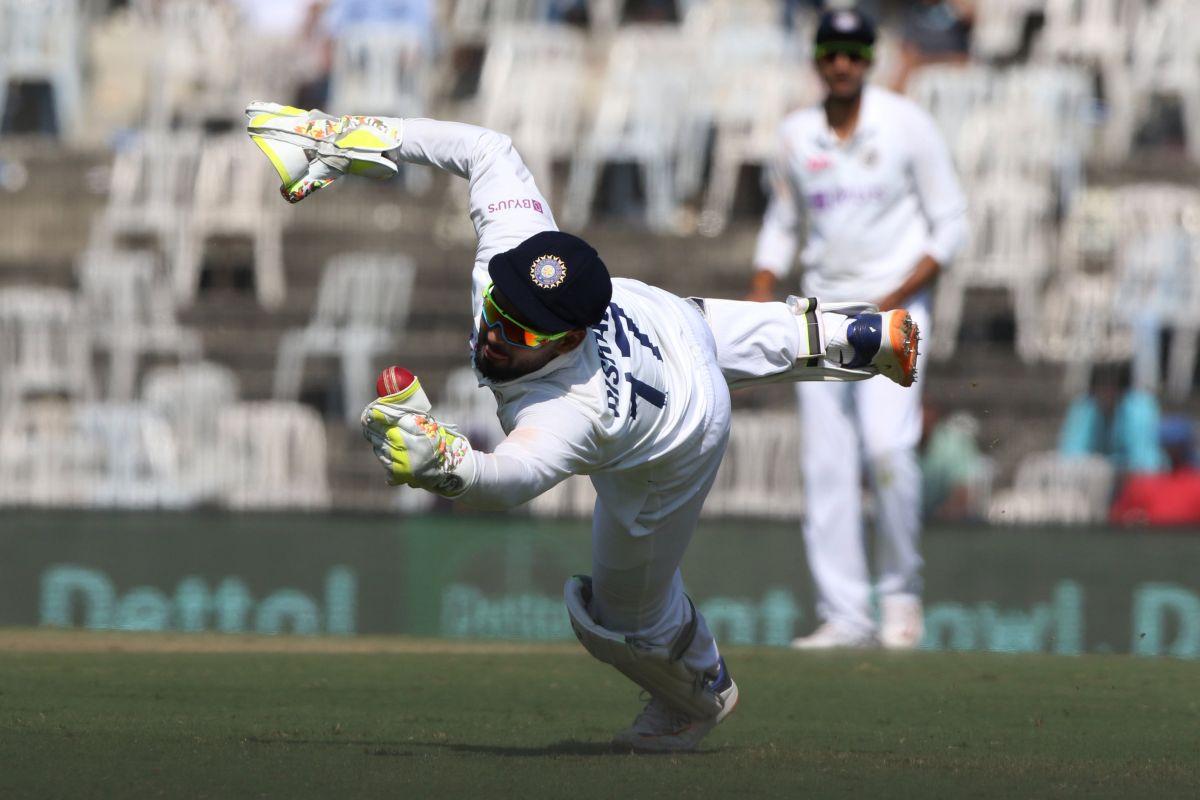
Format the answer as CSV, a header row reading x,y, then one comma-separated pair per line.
x,y
935,32
1116,421
1169,498
954,473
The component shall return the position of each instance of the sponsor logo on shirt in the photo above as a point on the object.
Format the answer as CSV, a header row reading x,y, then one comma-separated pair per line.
x,y
818,163
521,202
859,196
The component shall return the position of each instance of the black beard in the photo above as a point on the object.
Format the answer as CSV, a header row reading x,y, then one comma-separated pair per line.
x,y
491,371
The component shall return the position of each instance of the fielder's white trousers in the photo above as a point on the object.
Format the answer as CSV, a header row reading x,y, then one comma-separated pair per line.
x,y
846,427
636,585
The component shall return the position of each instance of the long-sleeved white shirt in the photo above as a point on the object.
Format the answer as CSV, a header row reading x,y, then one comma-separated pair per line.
x,y
625,406
869,207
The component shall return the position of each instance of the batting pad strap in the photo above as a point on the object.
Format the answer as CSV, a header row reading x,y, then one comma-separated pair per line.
x,y
656,668
812,329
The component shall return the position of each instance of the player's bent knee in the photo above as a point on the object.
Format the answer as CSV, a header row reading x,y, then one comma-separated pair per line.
x,y
659,669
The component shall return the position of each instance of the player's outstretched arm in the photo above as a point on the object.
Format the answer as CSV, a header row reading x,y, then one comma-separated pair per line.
x,y
311,149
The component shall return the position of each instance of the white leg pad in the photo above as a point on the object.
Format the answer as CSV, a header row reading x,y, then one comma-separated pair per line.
x,y
757,343
658,669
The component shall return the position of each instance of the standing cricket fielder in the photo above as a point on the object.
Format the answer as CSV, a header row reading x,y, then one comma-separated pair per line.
x,y
609,378
869,177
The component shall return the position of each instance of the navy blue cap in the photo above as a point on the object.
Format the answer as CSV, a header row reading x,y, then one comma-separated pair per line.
x,y
849,25
554,280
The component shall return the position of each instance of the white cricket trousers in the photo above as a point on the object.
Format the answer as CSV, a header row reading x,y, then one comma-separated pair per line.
x,y
636,586
845,427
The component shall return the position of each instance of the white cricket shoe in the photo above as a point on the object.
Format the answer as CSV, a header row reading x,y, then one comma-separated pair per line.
x,y
661,729
902,622
832,636
872,341
897,356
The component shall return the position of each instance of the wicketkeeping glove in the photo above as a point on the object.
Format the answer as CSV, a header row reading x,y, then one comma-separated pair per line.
x,y
417,450
311,149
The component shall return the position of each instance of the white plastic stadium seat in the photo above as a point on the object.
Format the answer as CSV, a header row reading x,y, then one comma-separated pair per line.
x,y
1090,31
1081,325
362,302
1090,235
998,25
190,398
642,117
473,20
1051,489
1157,278
234,196
1065,92
1009,249
760,474
129,312
1096,33
1062,99
951,93
706,17
38,464
273,456
1155,286
44,348
150,191
198,72
380,70
107,455
130,456
39,41
544,122
386,71
997,144
756,77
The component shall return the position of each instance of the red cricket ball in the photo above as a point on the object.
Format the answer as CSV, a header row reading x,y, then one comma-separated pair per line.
x,y
392,380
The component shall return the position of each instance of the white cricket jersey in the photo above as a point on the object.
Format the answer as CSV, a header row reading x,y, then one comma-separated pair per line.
x,y
622,407
871,205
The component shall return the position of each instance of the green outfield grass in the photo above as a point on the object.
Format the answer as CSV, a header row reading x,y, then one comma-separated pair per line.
x,y
417,720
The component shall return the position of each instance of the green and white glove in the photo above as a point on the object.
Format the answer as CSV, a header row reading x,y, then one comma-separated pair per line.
x,y
311,149
417,450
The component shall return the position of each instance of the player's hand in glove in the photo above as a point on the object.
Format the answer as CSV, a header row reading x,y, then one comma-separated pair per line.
x,y
417,450
311,149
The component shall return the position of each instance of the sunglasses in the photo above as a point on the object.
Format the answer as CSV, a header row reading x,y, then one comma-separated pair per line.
x,y
852,50
513,332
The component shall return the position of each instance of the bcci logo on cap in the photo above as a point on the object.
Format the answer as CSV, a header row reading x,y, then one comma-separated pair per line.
x,y
548,271
845,22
